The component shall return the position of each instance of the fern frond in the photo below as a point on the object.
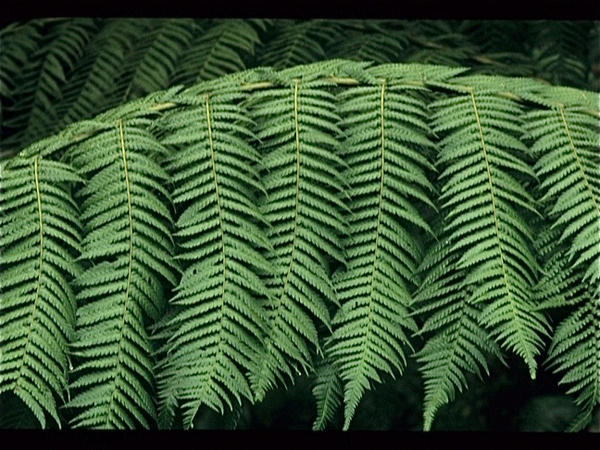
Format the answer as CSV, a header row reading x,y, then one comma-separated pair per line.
x,y
575,347
298,42
40,234
128,241
484,198
567,144
437,43
19,42
575,351
216,52
386,130
96,73
40,83
558,51
216,332
150,63
458,344
297,125
329,392
381,47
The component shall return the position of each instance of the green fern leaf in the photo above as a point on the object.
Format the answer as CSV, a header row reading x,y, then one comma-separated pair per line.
x,y
216,332
381,47
385,128
40,83
459,344
298,42
19,42
295,124
129,244
566,141
40,233
150,63
482,195
95,74
328,391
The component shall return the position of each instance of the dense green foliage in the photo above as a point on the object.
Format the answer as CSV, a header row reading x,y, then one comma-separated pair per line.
x,y
168,250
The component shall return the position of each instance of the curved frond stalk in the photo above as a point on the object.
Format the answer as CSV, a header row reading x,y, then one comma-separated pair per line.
x,y
217,329
128,241
302,182
485,204
386,132
96,73
39,85
567,142
40,232
216,52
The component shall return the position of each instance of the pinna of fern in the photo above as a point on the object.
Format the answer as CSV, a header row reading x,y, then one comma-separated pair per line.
x,y
40,235
218,323
483,272
296,124
385,127
40,82
567,142
129,245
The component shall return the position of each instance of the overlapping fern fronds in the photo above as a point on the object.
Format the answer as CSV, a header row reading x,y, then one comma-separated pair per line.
x,y
95,74
216,52
41,81
151,62
19,42
298,42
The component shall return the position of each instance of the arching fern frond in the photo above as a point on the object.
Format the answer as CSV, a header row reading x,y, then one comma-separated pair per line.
x,y
297,126
128,243
40,232
219,323
385,128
